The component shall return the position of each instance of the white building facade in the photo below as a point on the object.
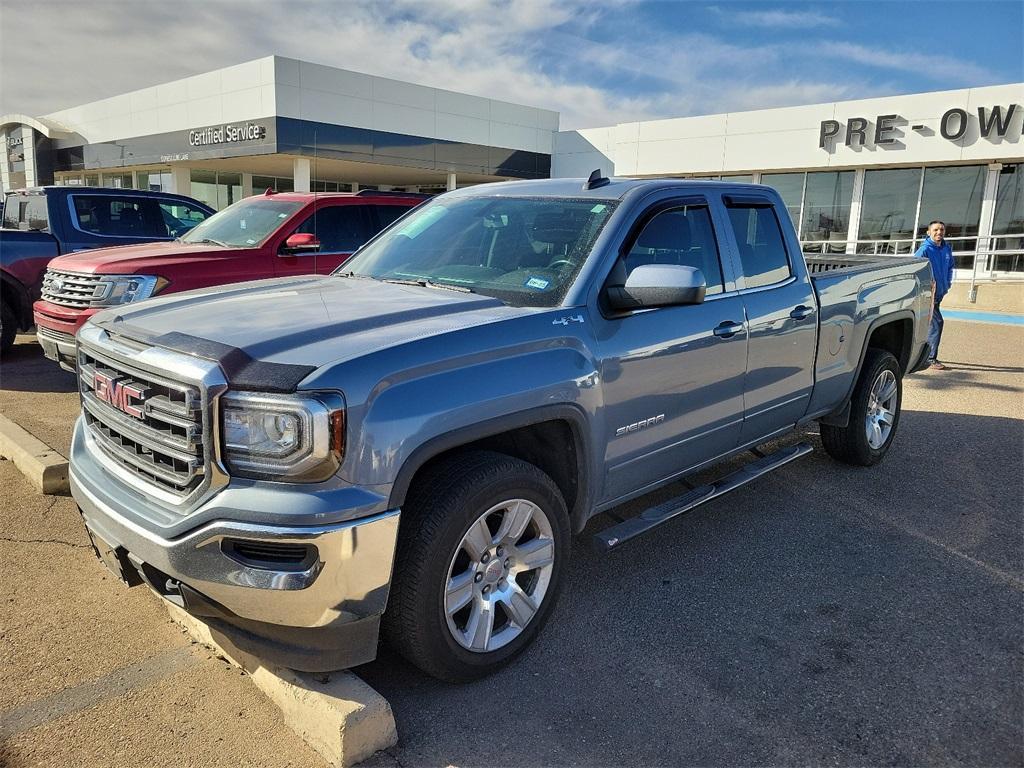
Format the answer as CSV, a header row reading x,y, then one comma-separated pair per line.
x,y
860,176
280,123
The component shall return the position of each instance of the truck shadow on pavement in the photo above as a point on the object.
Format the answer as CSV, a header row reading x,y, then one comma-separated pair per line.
x,y
960,375
24,369
824,613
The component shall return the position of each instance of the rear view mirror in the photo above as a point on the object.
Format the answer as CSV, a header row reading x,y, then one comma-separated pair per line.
x,y
300,242
658,285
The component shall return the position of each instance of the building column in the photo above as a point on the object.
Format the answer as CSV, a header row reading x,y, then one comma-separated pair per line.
x,y
982,253
300,174
29,149
855,205
451,181
181,180
385,187
5,166
246,185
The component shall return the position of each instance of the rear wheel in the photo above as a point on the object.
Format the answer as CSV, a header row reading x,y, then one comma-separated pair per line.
x,y
874,413
8,326
483,544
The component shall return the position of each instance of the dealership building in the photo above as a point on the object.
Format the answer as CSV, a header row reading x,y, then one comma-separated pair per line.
x,y
861,176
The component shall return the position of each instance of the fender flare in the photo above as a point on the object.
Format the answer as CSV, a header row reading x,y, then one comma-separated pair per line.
x,y
571,414
840,417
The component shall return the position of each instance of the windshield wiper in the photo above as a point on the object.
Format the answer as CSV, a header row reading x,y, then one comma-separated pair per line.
x,y
424,283
353,274
210,240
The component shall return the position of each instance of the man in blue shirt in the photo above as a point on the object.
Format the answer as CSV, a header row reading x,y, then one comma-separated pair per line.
x,y
940,254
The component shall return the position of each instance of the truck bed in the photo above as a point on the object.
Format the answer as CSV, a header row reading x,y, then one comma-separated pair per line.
x,y
848,262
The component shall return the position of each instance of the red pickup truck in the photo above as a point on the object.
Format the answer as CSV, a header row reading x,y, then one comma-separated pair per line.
x,y
269,235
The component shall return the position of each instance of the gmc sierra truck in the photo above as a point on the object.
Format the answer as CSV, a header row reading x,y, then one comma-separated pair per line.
x,y
405,446
291,233
42,223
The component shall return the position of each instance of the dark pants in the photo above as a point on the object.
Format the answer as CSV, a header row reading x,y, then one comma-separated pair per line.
x,y
935,334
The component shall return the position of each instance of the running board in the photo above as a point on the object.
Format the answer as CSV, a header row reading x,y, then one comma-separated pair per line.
x,y
620,533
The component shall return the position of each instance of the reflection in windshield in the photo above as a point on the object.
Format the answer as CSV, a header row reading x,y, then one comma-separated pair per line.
x,y
245,224
525,251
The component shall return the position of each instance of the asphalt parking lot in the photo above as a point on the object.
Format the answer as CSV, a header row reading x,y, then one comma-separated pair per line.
x,y
822,615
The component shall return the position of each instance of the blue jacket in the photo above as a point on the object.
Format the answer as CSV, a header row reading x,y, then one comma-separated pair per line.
x,y
941,258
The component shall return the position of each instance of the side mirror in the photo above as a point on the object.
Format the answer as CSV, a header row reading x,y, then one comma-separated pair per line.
x,y
658,285
300,242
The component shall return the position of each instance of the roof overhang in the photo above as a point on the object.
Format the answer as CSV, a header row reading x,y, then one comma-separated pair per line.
x,y
49,128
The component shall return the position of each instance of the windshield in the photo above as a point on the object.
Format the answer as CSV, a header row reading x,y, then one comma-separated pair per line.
x,y
524,251
245,224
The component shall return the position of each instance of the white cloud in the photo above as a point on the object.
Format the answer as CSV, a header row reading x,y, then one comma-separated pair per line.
x,y
935,66
776,18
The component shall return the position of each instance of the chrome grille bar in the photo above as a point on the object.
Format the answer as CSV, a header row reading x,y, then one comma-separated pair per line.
x,y
69,289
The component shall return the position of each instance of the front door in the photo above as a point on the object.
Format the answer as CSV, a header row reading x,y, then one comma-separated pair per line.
x,y
340,228
672,377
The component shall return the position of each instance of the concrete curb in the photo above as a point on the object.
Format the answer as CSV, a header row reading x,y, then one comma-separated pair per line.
x,y
339,715
44,467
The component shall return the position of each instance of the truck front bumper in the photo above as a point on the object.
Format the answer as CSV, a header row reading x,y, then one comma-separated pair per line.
x,y
307,597
57,346
56,327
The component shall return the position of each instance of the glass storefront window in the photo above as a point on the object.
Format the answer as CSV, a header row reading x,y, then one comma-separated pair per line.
x,y
953,195
791,187
117,180
155,181
1008,220
218,190
888,210
825,219
92,179
744,178
261,184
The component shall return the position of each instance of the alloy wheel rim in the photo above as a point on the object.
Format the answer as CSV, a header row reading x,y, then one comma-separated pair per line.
x,y
881,414
499,575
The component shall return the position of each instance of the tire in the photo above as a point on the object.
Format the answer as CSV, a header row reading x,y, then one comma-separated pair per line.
x,y
859,442
8,326
435,570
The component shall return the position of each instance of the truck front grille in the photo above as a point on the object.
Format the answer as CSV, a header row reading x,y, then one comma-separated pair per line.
x,y
149,424
69,289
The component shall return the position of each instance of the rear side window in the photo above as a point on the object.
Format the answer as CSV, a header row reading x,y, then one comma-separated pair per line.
x,y
682,236
762,249
180,217
26,212
119,216
340,228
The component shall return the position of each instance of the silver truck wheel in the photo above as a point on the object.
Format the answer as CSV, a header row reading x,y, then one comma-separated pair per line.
x,y
881,413
483,543
874,413
499,575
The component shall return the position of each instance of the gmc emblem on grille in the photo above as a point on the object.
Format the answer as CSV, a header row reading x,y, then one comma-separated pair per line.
x,y
124,397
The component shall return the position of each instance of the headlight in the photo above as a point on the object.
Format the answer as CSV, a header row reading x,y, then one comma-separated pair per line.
x,y
124,289
298,438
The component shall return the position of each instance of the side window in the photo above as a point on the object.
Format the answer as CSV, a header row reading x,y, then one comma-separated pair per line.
x,y
762,249
26,212
119,216
340,228
682,236
387,214
178,217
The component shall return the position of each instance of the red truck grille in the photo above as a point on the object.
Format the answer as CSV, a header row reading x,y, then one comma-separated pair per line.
x,y
69,289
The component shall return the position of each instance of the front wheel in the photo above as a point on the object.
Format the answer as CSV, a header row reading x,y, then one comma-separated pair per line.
x,y
482,546
874,413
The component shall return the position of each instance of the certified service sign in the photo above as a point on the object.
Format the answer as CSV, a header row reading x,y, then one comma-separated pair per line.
x,y
230,133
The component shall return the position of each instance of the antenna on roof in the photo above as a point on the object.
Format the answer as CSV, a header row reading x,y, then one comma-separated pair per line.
x,y
269,192
596,180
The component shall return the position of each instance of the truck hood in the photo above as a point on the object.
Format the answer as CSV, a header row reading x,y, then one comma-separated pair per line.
x,y
309,321
144,258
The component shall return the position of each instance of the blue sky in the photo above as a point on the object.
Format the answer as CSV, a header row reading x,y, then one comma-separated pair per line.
x,y
596,62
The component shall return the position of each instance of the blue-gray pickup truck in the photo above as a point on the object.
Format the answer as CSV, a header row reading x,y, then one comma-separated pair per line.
x,y
405,447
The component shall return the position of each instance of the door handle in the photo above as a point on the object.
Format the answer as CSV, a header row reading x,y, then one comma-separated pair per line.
x,y
801,312
727,329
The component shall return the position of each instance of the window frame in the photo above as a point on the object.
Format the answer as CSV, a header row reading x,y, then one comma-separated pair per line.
x,y
633,233
157,199
367,218
749,201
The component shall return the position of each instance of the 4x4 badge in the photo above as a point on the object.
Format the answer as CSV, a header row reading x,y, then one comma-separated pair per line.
x,y
567,320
